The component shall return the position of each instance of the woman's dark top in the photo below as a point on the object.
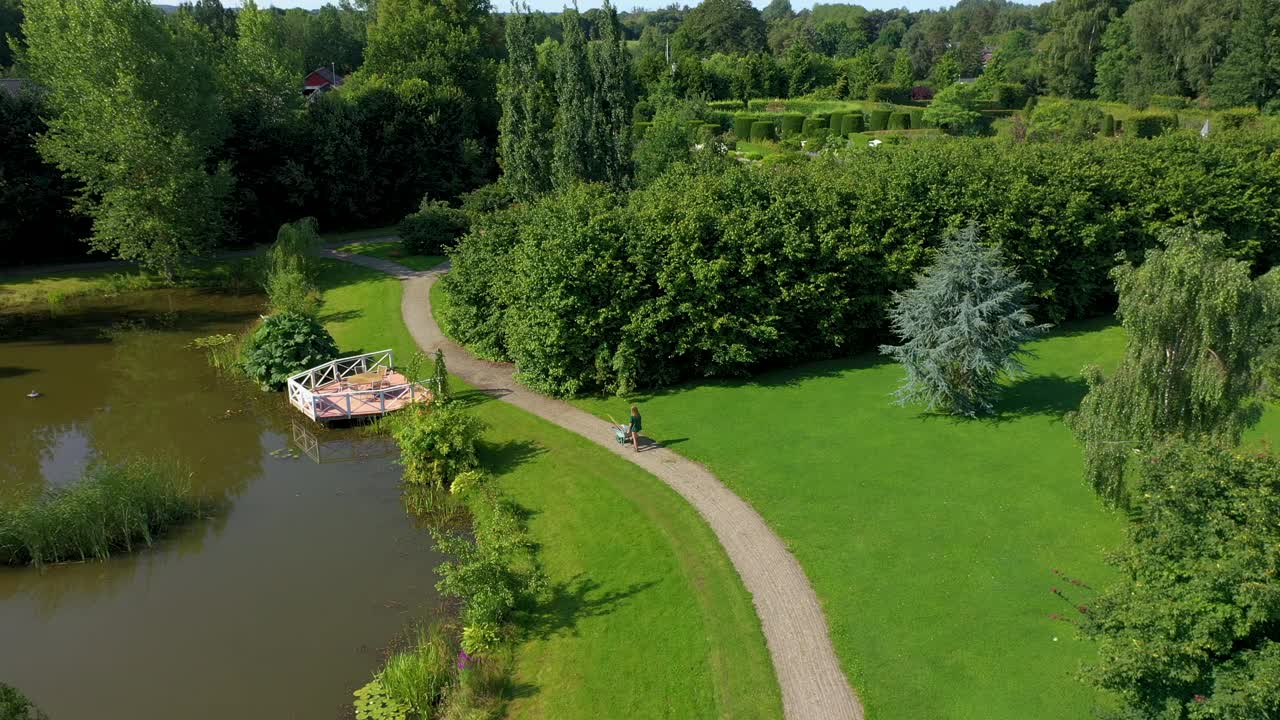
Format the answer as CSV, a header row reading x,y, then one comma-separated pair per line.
x,y
635,423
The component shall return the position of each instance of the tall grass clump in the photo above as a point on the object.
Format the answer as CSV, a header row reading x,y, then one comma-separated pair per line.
x,y
114,507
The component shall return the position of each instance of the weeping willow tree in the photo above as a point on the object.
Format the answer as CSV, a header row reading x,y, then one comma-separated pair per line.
x,y
1196,324
963,327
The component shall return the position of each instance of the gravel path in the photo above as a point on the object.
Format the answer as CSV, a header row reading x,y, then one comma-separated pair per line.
x,y
813,686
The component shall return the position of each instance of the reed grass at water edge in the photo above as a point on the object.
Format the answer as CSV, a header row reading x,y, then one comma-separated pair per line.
x,y
113,508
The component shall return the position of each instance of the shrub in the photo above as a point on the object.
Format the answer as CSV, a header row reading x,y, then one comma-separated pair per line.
x,y
1151,124
289,272
792,124
285,344
1009,96
433,229
761,130
879,120
812,125
742,126
113,507
852,123
1108,125
581,291
899,121
921,93
639,129
835,122
917,119
1030,107
889,93
486,199
1169,102
437,442
1065,121
1237,118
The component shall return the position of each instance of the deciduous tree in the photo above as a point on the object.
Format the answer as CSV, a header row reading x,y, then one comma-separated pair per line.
x,y
612,102
524,130
572,151
136,115
1192,630
1196,324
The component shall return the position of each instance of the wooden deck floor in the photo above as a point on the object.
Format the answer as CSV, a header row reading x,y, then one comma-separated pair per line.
x,y
363,404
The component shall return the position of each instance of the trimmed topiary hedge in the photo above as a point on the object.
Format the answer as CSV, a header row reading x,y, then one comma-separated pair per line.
x,y
836,121
1170,102
917,119
792,124
889,93
1108,125
1151,124
813,125
1009,96
762,130
899,121
742,126
852,123
879,120
1237,118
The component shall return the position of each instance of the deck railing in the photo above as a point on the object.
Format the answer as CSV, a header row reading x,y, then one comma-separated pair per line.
x,y
304,396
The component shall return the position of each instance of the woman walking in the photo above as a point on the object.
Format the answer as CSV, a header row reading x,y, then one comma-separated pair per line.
x,y
635,427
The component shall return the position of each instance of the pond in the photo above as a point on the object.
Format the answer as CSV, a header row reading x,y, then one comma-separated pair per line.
x,y
277,607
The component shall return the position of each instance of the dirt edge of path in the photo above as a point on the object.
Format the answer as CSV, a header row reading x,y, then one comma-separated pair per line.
x,y
809,675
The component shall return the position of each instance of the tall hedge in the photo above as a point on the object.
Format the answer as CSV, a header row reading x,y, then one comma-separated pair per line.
x,y
762,130
879,120
1108,125
917,119
835,122
852,123
742,126
792,124
889,93
723,269
1151,124
899,121
813,125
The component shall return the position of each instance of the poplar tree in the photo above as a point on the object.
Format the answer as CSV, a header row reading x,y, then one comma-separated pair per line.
x,y
1250,74
611,126
525,126
1197,324
963,327
572,152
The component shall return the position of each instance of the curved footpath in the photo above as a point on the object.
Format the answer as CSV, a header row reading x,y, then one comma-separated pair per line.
x,y
813,686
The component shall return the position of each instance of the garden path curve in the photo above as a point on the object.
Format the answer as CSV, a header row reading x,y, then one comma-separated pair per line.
x,y
813,686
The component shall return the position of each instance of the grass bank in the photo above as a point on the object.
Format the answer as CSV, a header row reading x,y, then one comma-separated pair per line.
x,y
113,508
647,617
932,541
26,289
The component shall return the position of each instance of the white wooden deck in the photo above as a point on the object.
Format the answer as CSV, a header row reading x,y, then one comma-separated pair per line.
x,y
354,387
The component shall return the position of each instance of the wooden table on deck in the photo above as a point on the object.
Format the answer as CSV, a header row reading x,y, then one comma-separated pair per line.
x,y
372,379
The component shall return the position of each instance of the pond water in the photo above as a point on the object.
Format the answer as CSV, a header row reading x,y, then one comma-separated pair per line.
x,y
276,607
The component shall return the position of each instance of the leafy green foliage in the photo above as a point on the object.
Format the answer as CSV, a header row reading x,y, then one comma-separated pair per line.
x,y
663,145
1064,121
955,108
572,151
135,118
1196,324
433,228
1193,629
727,26
437,442
963,326
112,508
15,706
440,378
286,343
1250,73
291,269
612,101
493,570
527,114
720,270
1150,124
373,701
418,677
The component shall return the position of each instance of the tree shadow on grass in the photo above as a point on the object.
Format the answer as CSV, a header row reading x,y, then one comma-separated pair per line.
x,y
566,603
8,371
340,316
1051,395
502,458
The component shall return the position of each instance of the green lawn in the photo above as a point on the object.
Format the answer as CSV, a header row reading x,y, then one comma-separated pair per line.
x,y
388,231
648,618
931,541
394,252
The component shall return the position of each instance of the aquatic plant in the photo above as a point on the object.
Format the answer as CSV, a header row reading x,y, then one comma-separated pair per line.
x,y
15,706
223,351
113,507
419,675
